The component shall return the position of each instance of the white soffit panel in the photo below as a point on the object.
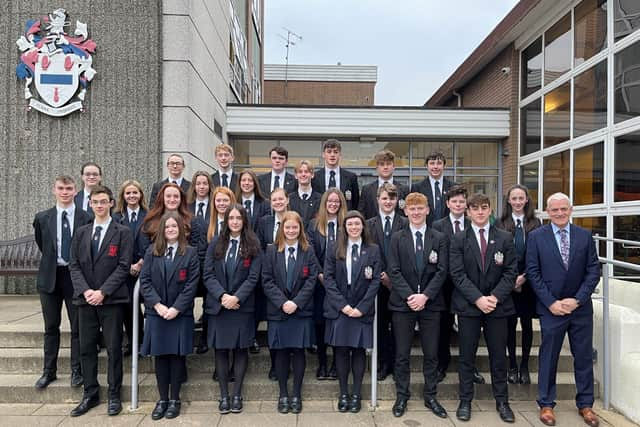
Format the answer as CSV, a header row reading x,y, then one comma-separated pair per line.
x,y
321,73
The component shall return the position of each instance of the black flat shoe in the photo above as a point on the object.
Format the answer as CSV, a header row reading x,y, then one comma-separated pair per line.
x,y
85,404
224,407
159,410
283,405
477,378
45,380
236,404
356,404
435,407
76,378
525,378
506,414
331,373
399,407
202,348
463,413
114,407
255,347
343,403
173,410
296,405
512,376
321,373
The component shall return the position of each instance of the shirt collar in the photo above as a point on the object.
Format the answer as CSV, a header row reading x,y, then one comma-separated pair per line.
x,y
252,198
382,181
294,246
104,225
357,242
384,215
130,211
422,229
555,228
177,180
517,217
174,246
476,229
454,219
227,172
69,210
432,180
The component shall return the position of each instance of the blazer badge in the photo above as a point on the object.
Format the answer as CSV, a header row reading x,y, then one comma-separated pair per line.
x,y
499,258
182,274
368,272
347,194
113,250
402,204
433,257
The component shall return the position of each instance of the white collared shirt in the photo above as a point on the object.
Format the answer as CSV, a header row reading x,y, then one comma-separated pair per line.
x,y
130,211
70,212
348,256
476,231
286,254
85,199
382,181
302,193
432,181
104,226
327,176
178,181
252,199
515,223
383,217
173,252
273,178
422,230
235,255
453,222
229,174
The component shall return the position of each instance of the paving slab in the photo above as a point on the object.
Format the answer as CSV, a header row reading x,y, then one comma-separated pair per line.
x,y
29,421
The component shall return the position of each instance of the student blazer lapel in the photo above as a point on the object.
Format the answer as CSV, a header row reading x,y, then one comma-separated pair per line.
x,y
472,245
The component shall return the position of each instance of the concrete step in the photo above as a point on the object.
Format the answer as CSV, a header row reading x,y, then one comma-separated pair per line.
x,y
16,388
29,361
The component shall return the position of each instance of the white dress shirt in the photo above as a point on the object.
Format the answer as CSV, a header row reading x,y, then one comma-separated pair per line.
x,y
327,176
70,211
103,232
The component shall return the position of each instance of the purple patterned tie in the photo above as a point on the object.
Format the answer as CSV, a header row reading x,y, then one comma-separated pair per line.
x,y
564,247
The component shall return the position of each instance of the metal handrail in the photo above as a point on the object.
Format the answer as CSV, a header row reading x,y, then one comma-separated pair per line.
x,y
134,346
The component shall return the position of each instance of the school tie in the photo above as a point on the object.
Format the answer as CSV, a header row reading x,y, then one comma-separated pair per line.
x,y
225,180
95,242
291,263
437,208
332,179
387,234
419,253
483,246
457,226
201,210
332,231
564,247
220,226
230,264
276,226
65,247
305,196
168,256
276,182
247,206
355,258
518,240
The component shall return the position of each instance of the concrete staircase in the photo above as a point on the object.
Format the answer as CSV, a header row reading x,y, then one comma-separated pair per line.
x,y
21,364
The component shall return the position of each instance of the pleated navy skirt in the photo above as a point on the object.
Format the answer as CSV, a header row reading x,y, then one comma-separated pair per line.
x,y
346,331
294,332
231,329
163,337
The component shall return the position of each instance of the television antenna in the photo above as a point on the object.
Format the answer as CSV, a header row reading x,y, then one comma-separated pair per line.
x,y
291,39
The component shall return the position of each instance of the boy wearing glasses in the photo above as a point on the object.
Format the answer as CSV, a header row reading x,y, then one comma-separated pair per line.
x,y
175,167
91,175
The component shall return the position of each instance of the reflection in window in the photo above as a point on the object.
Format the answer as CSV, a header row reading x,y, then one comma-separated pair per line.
x,y
531,76
482,184
529,178
597,225
557,49
626,17
627,228
627,167
590,29
530,128
588,175
477,154
590,100
422,149
556,174
557,110
627,83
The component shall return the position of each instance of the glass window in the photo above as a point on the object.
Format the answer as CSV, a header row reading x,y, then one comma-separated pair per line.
x,y
590,100
557,49
627,83
482,184
420,151
627,167
597,225
590,29
477,154
531,77
588,175
529,178
557,109
253,154
627,228
530,128
556,174
626,17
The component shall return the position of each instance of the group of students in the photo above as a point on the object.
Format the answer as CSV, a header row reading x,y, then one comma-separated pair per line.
x,y
308,254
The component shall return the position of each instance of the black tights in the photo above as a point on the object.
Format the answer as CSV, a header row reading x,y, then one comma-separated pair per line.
x,y
350,359
240,362
527,340
283,359
170,371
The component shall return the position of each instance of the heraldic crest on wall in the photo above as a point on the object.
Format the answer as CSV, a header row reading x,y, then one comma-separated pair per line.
x,y
59,64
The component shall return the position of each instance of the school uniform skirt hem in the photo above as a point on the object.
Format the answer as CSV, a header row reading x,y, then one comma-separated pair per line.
x,y
346,331
231,329
294,332
164,337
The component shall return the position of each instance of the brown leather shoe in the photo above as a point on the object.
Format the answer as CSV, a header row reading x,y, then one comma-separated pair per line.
x,y
547,417
589,417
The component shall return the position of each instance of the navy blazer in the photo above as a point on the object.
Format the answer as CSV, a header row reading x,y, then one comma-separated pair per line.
x,y
348,182
243,281
109,270
140,240
319,243
274,282
78,200
424,187
175,287
375,225
308,209
369,199
233,180
444,226
184,185
265,230
548,277
360,295
290,184
259,209
471,281
403,272
45,227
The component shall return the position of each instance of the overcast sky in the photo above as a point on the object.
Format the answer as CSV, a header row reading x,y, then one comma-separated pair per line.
x,y
416,44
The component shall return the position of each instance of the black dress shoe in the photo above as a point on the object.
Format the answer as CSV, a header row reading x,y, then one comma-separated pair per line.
x,y
356,404
435,406
442,373
202,348
159,410
173,410
525,378
463,413
399,407
76,378
255,347
272,374
321,373
114,407
477,378
45,380
343,403
506,414
224,407
283,405
512,376
313,349
236,404
296,405
85,404
331,373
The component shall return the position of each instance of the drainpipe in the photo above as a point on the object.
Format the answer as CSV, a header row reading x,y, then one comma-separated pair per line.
x,y
459,96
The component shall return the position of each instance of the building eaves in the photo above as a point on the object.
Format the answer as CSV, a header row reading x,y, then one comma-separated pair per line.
x,y
321,73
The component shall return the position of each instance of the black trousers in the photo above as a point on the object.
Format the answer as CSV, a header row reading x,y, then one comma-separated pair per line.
x,y
91,319
495,334
403,330
444,344
52,315
386,344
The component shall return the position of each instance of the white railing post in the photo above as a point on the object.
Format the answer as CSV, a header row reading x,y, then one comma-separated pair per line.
x,y
374,359
134,346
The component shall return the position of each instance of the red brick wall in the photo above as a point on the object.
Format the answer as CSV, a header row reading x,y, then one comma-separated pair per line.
x,y
319,93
